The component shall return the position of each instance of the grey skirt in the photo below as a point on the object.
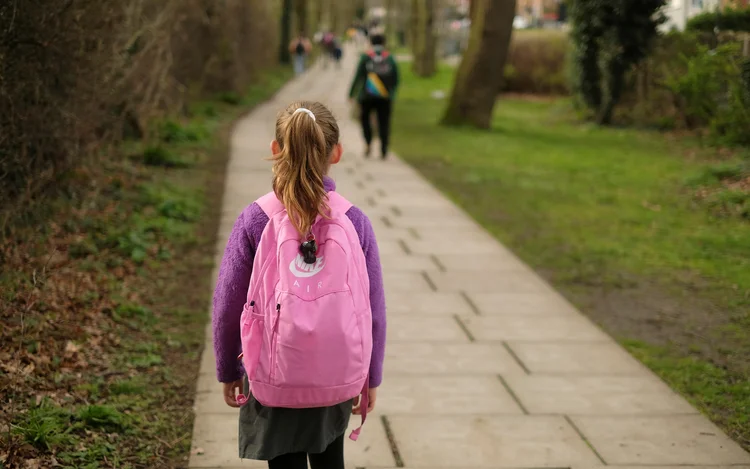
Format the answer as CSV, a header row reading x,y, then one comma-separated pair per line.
x,y
269,432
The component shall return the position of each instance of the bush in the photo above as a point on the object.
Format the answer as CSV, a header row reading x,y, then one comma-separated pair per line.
x,y
610,38
537,63
711,93
727,19
75,75
691,80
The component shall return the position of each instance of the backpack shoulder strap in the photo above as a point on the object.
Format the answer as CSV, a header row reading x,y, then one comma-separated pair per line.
x,y
338,204
270,204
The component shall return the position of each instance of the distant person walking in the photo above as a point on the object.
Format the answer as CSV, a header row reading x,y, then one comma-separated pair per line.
x,y
328,44
374,88
300,47
338,52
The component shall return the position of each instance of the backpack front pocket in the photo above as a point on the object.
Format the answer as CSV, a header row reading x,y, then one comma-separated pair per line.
x,y
317,344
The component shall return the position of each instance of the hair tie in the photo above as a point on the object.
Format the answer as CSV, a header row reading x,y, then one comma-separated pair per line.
x,y
306,111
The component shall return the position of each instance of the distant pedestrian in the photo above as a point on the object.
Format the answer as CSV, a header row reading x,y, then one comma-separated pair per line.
x,y
328,46
300,47
374,87
338,52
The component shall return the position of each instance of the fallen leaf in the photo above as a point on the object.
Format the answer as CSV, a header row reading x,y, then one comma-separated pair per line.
x,y
71,347
10,368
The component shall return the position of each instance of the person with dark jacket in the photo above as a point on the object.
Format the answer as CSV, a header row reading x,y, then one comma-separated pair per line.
x,y
374,87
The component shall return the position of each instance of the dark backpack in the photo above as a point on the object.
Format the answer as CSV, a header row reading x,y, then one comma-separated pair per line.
x,y
300,49
381,75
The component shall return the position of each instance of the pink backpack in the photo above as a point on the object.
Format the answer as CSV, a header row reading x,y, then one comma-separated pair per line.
x,y
306,328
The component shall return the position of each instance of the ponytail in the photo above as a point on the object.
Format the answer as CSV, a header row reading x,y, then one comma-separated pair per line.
x,y
301,165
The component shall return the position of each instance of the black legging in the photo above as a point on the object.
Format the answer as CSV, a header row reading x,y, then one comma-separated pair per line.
x,y
331,458
383,109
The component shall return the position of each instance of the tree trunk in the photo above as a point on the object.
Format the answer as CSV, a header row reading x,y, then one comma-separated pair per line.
x,y
361,9
347,12
473,7
616,68
300,17
483,64
335,17
284,37
424,63
390,20
413,24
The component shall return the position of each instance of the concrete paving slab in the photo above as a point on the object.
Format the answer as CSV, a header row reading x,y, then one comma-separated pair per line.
x,y
573,358
384,233
481,263
436,223
428,358
373,448
676,440
215,442
390,247
425,329
523,441
471,231
400,281
410,212
207,383
520,303
445,395
427,303
597,395
535,328
208,359
399,263
487,282
439,246
425,197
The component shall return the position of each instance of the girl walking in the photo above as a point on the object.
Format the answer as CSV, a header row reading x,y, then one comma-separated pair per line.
x,y
299,306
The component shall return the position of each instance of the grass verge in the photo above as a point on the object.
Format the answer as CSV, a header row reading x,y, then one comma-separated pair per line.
x,y
104,305
649,237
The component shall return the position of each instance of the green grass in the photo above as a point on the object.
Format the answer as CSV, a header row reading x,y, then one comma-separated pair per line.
x,y
600,211
707,386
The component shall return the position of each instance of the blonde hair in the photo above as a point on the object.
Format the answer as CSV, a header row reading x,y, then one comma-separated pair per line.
x,y
306,143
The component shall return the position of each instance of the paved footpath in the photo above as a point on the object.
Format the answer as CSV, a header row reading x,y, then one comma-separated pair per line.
x,y
486,365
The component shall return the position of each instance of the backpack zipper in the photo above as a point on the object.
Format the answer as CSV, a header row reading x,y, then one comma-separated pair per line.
x,y
274,343
252,306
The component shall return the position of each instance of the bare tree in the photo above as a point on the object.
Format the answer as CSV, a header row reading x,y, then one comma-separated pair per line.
x,y
481,70
425,42
285,28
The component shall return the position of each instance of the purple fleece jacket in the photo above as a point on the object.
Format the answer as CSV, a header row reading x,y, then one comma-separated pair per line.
x,y
234,278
